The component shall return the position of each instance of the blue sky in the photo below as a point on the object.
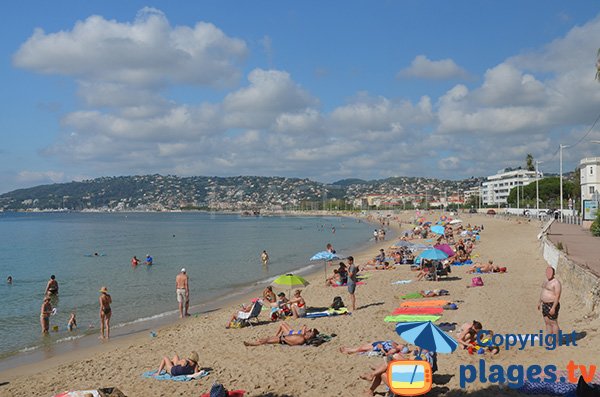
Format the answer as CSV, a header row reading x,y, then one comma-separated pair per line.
x,y
325,90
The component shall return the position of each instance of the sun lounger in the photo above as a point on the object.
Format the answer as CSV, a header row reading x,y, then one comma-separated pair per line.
x,y
246,317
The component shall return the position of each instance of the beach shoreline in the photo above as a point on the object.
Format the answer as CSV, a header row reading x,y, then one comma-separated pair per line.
x,y
506,304
79,346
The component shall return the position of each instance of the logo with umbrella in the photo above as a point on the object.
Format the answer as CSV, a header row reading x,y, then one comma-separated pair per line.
x,y
415,377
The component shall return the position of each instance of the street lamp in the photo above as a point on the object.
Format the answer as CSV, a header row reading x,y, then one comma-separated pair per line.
x,y
561,180
537,189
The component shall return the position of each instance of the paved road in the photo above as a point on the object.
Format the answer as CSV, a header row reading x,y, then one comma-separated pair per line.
x,y
581,246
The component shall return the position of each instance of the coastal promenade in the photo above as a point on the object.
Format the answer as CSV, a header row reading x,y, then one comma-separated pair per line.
x,y
578,245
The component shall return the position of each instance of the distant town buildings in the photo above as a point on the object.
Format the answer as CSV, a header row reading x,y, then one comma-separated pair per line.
x,y
495,190
589,168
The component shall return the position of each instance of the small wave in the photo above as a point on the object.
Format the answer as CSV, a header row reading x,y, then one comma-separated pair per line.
x,y
28,349
150,318
70,338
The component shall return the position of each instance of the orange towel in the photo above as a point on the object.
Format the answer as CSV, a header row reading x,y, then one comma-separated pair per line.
x,y
439,303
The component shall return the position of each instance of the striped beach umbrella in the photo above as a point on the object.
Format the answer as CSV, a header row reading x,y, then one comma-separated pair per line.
x,y
426,335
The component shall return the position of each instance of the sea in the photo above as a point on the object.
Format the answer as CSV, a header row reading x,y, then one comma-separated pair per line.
x,y
85,251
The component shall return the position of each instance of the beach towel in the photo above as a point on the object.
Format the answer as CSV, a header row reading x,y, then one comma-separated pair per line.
x,y
181,378
405,318
78,393
418,310
401,282
344,285
413,295
467,262
432,303
328,313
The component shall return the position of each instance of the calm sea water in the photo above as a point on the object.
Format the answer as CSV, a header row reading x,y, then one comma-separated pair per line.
x,y
220,252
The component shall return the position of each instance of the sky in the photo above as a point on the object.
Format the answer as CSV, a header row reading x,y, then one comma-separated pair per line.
x,y
322,90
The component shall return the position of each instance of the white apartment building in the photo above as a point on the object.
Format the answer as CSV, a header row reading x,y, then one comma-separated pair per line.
x,y
589,168
495,190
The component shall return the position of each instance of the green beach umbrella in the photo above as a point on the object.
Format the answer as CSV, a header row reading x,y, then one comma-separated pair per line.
x,y
290,281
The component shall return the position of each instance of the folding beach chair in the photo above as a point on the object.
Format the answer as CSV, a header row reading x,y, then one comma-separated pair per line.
x,y
246,317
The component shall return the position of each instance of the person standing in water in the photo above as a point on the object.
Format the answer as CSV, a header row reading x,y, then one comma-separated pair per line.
x,y
264,257
52,286
45,313
183,293
105,313
135,261
149,260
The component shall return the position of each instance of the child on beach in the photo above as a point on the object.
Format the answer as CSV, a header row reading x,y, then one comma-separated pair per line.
x,y
72,322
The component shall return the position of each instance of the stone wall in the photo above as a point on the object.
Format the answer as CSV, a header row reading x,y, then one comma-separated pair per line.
x,y
581,282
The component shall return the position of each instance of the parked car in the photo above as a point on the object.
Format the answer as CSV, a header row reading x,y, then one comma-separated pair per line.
x,y
491,212
472,211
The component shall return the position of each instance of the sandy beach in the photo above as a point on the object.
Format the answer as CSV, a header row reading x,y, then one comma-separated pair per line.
x,y
506,304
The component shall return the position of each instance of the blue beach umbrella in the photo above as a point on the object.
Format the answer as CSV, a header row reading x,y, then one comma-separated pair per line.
x,y
433,254
427,336
325,256
437,229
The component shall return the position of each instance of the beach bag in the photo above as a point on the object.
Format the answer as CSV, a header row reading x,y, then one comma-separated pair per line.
x,y
338,303
476,282
218,390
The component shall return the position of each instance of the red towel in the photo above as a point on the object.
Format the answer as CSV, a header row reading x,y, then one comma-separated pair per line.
x,y
417,310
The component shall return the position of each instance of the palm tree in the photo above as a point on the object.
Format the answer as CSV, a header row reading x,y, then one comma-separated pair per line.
x,y
529,162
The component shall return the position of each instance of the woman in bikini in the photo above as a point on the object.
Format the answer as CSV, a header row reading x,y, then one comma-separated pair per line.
x,y
105,312
297,305
286,336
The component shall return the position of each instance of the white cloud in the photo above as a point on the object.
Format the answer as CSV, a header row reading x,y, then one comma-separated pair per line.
x,y
146,53
271,124
424,68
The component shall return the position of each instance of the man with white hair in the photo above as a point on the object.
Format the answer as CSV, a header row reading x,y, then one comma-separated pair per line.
x,y
183,293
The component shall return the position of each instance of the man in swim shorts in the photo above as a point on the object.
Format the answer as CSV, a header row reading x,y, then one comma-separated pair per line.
x,y
549,301
352,279
183,293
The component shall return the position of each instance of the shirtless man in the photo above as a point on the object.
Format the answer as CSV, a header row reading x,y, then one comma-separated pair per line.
x,y
45,313
549,301
105,313
52,286
183,293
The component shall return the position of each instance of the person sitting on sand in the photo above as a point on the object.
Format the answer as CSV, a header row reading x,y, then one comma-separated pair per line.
x,y
427,268
297,305
269,295
283,337
387,347
377,266
177,366
334,280
468,333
